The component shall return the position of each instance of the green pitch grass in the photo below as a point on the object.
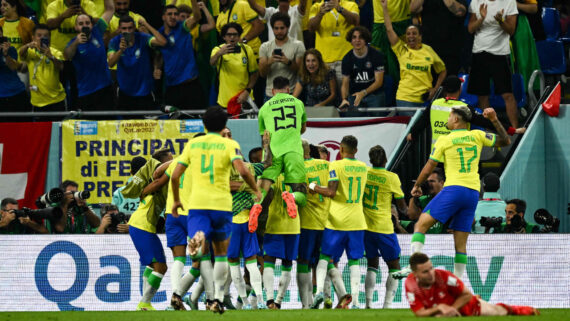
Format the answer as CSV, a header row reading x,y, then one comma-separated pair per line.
x,y
283,315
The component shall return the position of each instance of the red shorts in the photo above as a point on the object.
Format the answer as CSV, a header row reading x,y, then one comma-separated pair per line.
x,y
472,308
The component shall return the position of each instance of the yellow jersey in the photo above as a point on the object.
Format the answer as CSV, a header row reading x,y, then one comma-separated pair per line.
x,y
215,4
11,32
66,30
114,22
346,207
185,189
234,70
278,221
330,40
460,152
398,9
44,78
43,10
314,215
381,186
415,70
99,7
241,199
209,159
145,217
241,13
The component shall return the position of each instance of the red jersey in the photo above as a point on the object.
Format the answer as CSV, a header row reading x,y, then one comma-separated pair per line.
x,y
445,290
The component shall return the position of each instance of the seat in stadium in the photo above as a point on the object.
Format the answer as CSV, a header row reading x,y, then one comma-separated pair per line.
x,y
551,23
551,56
469,99
497,101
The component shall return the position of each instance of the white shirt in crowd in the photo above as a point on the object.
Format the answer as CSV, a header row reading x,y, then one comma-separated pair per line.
x,y
491,37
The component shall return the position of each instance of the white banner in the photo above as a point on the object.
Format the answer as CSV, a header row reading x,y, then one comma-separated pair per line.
x,y
368,132
102,272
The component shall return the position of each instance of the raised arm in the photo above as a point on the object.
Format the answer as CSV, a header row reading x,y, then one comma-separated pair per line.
x,y
502,136
455,7
196,15
302,7
211,25
258,8
256,29
424,174
416,6
109,11
392,36
71,11
158,40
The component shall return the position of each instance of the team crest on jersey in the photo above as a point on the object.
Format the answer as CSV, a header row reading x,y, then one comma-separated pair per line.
x,y
451,281
234,16
428,59
244,60
368,64
332,174
489,136
238,152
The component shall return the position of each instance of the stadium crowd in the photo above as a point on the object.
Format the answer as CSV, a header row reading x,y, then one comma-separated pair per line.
x,y
105,55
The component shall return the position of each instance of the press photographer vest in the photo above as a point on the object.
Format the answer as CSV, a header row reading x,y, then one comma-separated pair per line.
x,y
439,113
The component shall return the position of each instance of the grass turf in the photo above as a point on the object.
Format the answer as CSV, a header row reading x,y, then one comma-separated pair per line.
x,y
283,315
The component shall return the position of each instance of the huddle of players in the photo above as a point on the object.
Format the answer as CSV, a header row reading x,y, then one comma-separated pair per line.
x,y
347,209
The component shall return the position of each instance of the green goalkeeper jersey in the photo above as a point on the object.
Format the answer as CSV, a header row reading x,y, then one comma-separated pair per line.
x,y
283,116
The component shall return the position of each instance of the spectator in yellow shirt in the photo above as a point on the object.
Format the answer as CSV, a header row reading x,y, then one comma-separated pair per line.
x,y
241,13
44,64
416,61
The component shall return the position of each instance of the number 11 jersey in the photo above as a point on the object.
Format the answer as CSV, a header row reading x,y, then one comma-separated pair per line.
x,y
346,211
460,151
209,159
283,116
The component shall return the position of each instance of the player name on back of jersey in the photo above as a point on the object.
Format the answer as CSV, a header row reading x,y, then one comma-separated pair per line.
x,y
463,139
208,146
281,101
375,178
355,169
317,167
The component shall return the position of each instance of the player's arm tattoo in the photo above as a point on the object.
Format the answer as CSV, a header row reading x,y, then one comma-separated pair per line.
x,y
455,7
502,136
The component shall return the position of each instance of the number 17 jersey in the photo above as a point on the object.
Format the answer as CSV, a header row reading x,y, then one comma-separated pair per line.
x,y
209,159
460,151
283,116
346,211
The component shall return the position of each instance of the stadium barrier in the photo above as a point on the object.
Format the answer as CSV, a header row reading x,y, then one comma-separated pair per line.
x,y
102,272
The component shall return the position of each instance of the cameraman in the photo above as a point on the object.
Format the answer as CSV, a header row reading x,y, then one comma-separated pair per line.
x,y
78,217
22,225
515,219
491,206
434,185
112,221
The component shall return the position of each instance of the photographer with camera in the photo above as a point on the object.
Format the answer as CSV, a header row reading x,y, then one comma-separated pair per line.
x,y
78,217
430,189
15,221
112,221
515,222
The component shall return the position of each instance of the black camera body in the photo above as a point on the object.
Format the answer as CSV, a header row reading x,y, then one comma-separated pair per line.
x,y
491,222
51,198
44,42
118,218
543,217
49,213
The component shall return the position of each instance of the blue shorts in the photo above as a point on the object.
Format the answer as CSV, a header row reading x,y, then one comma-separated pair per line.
x,y
242,241
335,242
148,246
216,225
176,229
281,246
310,245
455,202
384,245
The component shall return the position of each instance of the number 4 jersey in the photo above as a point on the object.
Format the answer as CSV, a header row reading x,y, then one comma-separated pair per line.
x,y
460,151
283,116
346,212
209,159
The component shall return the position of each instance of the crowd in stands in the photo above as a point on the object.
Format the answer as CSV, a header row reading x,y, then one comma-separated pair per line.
x,y
127,55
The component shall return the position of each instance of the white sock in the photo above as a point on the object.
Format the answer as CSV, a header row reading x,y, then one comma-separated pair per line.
x,y
391,287
268,279
220,277
310,291
303,284
197,291
228,283
151,290
369,284
328,287
207,276
176,275
255,280
321,275
336,279
187,281
355,277
459,269
417,247
239,282
283,284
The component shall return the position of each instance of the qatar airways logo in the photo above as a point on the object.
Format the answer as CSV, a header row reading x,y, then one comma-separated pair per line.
x,y
334,149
